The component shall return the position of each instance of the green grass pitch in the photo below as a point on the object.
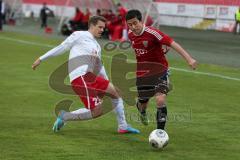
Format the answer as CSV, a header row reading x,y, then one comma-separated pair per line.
x,y
203,108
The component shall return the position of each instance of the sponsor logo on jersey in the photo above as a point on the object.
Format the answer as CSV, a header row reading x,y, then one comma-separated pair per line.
x,y
140,52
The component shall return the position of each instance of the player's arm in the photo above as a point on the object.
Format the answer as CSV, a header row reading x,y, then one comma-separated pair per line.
x,y
168,41
53,52
60,49
191,61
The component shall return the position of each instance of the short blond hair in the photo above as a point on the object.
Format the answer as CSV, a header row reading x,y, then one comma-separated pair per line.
x,y
94,20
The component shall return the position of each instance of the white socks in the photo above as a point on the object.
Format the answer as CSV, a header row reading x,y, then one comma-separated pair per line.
x,y
84,114
80,114
119,110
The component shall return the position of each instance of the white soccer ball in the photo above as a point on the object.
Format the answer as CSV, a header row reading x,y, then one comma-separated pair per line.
x,y
158,138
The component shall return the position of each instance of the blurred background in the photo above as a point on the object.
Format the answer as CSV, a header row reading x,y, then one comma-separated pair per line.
x,y
203,119
64,16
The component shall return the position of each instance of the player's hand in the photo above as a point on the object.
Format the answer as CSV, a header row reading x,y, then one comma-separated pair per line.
x,y
36,63
192,63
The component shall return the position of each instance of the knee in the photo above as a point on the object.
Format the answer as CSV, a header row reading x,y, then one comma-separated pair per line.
x,y
97,112
160,100
113,92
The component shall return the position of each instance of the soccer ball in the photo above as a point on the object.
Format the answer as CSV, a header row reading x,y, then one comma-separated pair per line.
x,y
158,139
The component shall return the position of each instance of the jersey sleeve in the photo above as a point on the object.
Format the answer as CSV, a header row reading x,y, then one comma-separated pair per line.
x,y
161,37
166,40
63,47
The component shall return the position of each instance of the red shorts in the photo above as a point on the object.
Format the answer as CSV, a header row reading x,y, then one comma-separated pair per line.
x,y
90,88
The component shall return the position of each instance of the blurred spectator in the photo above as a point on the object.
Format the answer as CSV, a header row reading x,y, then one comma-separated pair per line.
x,y
7,13
10,16
122,13
4,7
110,15
149,20
31,14
237,19
77,20
85,19
44,15
104,13
115,28
98,12
78,15
1,13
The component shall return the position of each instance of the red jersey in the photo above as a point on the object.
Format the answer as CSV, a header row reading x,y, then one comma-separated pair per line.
x,y
150,46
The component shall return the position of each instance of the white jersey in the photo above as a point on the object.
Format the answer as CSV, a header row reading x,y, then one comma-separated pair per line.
x,y
85,54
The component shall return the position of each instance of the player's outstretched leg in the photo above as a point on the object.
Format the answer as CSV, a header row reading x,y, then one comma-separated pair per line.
x,y
59,123
77,115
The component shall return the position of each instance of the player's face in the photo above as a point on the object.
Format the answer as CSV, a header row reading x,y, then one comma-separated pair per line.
x,y
98,29
135,25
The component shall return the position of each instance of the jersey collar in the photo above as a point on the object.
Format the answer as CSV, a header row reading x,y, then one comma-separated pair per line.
x,y
91,35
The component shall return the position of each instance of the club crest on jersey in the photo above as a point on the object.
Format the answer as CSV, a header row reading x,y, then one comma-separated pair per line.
x,y
145,44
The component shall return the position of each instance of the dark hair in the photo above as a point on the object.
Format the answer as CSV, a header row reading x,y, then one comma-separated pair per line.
x,y
134,13
99,11
77,10
94,20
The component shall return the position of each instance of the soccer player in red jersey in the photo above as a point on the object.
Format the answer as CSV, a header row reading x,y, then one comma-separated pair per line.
x,y
150,46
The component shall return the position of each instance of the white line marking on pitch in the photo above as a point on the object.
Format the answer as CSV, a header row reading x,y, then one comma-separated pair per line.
x,y
173,68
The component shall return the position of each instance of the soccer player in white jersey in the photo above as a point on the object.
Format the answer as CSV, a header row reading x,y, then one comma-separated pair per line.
x,y
87,85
